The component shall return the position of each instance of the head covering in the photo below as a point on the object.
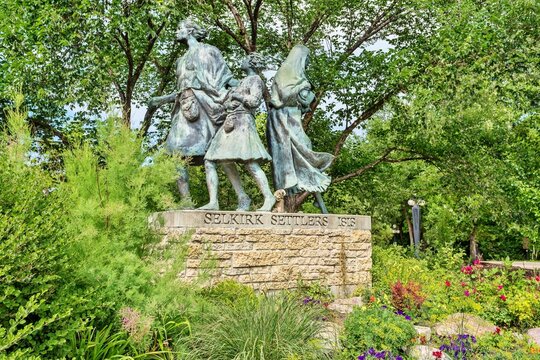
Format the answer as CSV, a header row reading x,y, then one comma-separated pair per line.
x,y
289,76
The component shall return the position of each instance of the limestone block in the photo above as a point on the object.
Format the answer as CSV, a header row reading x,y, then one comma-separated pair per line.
x,y
423,352
231,246
345,306
460,323
423,332
261,258
274,245
534,334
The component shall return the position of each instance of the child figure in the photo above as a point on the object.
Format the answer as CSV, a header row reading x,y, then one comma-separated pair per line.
x,y
237,141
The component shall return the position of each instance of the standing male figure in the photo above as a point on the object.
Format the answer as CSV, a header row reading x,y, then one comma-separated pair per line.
x,y
203,80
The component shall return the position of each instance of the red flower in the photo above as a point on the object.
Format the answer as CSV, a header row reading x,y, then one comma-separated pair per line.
x,y
372,299
467,269
437,354
466,293
537,278
463,284
476,262
503,298
447,283
497,330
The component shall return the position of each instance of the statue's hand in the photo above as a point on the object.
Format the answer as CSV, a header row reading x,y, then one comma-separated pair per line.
x,y
236,96
153,102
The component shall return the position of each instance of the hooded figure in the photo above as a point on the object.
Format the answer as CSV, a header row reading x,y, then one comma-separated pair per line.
x,y
296,167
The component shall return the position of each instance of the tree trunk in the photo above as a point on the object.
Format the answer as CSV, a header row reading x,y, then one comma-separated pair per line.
x,y
409,224
473,245
126,111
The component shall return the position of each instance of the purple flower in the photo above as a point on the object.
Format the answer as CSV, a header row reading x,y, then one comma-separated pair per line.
x,y
372,351
407,317
362,357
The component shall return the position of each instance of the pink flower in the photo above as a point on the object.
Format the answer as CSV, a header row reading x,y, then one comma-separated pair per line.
x,y
466,293
500,287
463,284
447,283
476,262
503,298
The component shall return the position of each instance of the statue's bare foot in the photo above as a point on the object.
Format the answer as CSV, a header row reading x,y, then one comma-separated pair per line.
x,y
269,203
210,206
243,203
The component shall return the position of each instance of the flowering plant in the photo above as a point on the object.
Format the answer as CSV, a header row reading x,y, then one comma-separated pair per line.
x,y
374,354
461,347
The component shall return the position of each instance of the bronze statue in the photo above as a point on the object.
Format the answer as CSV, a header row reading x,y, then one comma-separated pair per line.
x,y
237,140
295,166
202,81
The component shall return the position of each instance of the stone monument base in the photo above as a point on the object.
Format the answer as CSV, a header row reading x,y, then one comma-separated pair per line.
x,y
273,251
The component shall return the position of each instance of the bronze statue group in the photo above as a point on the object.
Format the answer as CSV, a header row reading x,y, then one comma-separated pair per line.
x,y
213,122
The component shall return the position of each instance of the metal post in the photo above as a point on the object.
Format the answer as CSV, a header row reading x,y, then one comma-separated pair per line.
x,y
416,228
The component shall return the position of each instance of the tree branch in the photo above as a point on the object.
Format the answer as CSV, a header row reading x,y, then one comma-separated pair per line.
x,y
240,23
231,33
384,158
363,117
45,126
149,46
315,25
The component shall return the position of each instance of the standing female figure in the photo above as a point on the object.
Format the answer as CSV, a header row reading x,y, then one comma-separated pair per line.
x,y
237,140
296,167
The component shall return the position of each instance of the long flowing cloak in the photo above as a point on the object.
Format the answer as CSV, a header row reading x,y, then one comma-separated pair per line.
x,y
203,70
296,167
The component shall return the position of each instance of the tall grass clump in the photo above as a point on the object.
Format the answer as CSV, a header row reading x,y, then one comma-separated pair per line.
x,y
269,328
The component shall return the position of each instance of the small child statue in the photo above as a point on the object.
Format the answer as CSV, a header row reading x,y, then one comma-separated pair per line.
x,y
237,140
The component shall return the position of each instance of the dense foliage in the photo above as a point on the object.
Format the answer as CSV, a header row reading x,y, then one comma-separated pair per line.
x,y
436,100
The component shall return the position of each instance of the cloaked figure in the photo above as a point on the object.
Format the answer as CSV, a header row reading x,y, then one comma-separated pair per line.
x,y
237,141
296,167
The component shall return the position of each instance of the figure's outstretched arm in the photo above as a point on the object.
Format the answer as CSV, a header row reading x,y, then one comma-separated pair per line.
x,y
159,101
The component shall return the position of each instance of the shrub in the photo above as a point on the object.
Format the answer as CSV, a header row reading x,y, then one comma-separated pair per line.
x,y
378,328
229,291
34,315
407,297
272,328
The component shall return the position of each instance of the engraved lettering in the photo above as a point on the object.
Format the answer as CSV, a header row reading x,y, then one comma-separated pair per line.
x,y
248,219
259,219
217,219
233,219
207,218
325,221
311,220
273,220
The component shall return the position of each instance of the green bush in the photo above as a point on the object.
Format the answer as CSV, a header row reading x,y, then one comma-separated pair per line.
x,y
229,292
375,327
272,328
34,314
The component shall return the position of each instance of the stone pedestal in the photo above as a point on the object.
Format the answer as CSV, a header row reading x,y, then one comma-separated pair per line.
x,y
272,251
